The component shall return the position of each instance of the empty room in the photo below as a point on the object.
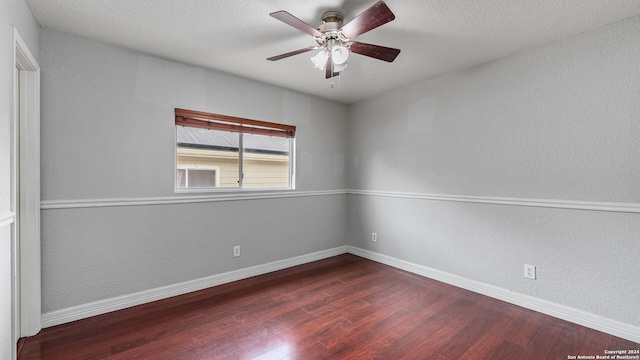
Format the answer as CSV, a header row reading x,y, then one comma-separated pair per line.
x,y
217,179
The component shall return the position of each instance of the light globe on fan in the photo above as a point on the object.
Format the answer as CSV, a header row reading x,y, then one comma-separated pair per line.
x,y
339,54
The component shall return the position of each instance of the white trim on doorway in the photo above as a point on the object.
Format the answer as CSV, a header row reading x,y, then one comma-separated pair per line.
x,y
26,160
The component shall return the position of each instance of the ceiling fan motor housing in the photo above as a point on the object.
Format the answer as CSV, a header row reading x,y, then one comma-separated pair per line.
x,y
332,22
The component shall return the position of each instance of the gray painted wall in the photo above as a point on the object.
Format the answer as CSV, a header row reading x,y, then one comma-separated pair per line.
x,y
561,121
108,133
12,13
557,122
108,128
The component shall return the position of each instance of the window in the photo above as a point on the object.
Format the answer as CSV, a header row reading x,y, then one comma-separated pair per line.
x,y
195,177
223,152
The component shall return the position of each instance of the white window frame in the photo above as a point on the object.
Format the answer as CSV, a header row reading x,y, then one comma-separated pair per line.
x,y
186,168
240,188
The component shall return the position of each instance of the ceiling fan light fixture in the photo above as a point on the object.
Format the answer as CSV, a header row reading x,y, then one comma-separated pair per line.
x,y
339,54
320,59
339,67
335,40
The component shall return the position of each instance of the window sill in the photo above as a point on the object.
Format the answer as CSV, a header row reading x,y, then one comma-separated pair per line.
x,y
229,191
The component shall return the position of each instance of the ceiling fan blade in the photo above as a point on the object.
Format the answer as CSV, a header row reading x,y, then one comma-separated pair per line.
x,y
378,14
286,55
291,20
328,69
375,51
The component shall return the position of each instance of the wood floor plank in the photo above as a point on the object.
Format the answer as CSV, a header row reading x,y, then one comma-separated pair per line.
x,y
430,337
344,307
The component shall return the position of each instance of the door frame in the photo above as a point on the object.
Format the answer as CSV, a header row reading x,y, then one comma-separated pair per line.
x,y
26,161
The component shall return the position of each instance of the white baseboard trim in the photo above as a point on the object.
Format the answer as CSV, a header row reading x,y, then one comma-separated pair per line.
x,y
580,317
121,302
575,316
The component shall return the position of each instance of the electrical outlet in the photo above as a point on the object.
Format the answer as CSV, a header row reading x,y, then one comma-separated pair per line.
x,y
529,271
374,237
236,251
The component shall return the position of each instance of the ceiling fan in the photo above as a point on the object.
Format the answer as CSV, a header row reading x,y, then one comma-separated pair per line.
x,y
335,40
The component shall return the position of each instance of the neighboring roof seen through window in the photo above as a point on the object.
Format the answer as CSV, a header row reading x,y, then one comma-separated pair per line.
x,y
228,141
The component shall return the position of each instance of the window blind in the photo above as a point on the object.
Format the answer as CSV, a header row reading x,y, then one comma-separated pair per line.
x,y
204,120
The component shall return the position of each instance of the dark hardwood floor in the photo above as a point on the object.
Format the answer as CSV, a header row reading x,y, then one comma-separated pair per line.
x,y
344,307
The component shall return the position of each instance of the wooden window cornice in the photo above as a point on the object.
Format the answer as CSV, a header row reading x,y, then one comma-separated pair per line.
x,y
204,120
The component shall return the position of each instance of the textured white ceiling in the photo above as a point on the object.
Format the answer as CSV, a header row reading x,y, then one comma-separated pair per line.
x,y
435,36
